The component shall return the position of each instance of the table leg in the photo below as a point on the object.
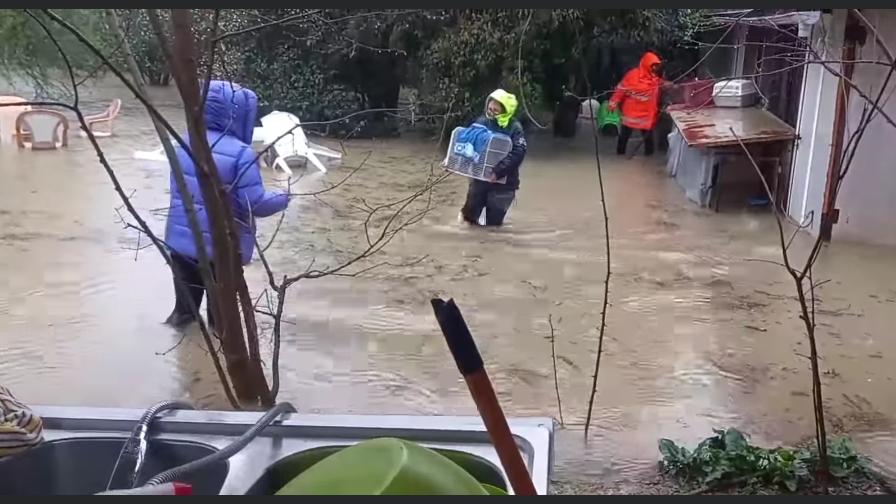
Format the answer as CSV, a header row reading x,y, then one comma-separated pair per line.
x,y
716,187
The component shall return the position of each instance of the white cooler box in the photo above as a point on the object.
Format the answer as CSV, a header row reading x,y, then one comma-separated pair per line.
x,y
735,93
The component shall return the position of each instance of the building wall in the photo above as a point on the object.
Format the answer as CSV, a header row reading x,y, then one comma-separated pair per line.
x,y
867,199
721,61
815,124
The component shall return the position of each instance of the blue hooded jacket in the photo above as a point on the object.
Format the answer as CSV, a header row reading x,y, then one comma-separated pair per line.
x,y
230,119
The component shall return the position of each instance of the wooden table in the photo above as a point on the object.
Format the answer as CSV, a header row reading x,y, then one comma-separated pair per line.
x,y
711,128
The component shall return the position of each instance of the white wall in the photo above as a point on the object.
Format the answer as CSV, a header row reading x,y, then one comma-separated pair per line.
x,y
815,124
867,199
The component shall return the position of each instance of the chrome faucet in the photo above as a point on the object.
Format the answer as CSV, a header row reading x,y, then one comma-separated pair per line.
x,y
126,472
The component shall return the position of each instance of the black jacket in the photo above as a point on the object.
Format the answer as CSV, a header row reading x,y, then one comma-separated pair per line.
x,y
510,165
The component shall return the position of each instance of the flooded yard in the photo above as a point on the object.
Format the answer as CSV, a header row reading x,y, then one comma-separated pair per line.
x,y
699,335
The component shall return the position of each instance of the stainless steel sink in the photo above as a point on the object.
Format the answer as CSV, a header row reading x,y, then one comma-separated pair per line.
x,y
82,466
82,445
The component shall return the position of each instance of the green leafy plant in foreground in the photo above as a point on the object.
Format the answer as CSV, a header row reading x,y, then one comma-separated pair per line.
x,y
727,458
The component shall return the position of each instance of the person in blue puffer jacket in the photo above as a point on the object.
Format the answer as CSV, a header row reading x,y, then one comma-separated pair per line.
x,y
230,112
493,196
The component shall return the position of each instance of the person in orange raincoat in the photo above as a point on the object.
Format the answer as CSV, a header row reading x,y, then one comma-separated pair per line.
x,y
638,94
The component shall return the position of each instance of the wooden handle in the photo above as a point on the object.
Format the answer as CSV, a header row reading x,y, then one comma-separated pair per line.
x,y
469,362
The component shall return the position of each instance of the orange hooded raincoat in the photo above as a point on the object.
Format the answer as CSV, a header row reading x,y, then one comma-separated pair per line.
x,y
638,94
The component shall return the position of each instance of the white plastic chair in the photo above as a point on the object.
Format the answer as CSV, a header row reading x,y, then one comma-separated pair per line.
x,y
258,136
39,129
284,131
105,117
8,117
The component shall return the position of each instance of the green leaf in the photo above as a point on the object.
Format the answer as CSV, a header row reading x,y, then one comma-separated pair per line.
x,y
837,469
800,469
735,441
713,476
791,484
668,449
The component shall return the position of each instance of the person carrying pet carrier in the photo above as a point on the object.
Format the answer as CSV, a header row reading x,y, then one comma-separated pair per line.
x,y
494,196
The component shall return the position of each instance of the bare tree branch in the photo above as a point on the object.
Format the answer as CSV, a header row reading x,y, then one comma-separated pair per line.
x,y
554,366
808,320
713,47
262,26
378,241
606,299
877,37
336,185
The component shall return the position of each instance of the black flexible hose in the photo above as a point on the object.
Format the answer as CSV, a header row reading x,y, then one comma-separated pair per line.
x,y
225,453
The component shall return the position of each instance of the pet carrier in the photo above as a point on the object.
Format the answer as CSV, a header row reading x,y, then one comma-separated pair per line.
x,y
466,159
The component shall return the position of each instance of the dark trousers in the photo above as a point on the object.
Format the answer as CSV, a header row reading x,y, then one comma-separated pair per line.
x,y
188,287
494,198
625,133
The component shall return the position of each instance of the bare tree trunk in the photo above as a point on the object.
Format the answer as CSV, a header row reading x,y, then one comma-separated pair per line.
x,y
189,205
821,437
229,283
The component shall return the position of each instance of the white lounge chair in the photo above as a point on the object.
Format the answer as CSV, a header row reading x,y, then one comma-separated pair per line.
x,y
105,117
40,129
8,117
258,138
154,155
283,131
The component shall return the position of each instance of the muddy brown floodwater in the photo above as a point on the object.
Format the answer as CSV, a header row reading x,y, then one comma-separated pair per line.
x,y
698,336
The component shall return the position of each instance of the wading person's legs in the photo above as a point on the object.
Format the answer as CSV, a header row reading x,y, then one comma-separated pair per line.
x,y
648,142
497,205
477,198
622,141
188,287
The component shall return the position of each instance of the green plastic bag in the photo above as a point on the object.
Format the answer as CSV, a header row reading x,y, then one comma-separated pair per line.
x,y
385,466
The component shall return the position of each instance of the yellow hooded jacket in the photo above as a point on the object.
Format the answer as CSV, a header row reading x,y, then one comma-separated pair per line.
x,y
508,101
505,123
